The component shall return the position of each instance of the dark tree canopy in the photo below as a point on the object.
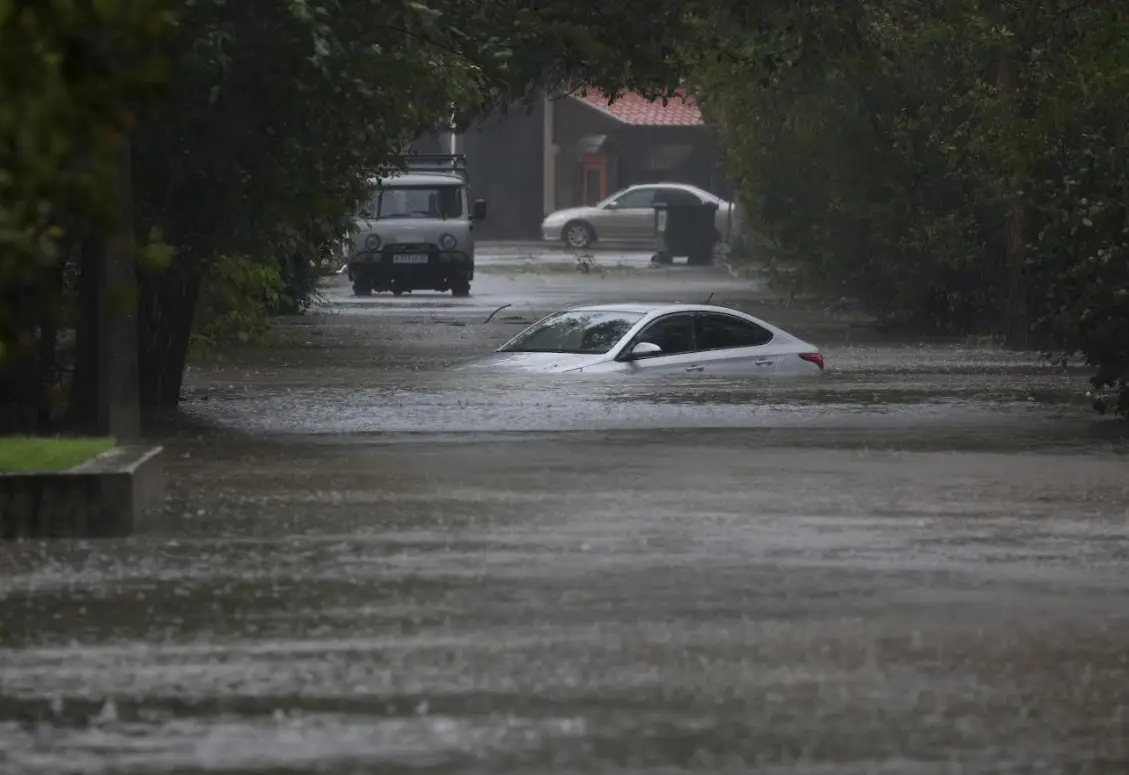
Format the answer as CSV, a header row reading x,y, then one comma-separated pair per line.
x,y
959,164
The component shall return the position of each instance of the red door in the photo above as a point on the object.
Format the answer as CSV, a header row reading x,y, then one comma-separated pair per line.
x,y
595,179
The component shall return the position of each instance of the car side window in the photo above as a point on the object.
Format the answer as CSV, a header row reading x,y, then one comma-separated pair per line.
x,y
673,333
719,332
640,197
676,196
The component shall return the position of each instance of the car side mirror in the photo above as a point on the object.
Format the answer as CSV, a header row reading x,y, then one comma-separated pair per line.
x,y
479,211
644,350
613,206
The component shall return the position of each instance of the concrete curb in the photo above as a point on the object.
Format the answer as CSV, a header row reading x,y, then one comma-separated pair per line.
x,y
111,496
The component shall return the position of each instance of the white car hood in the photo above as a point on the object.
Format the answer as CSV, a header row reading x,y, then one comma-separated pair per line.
x,y
537,363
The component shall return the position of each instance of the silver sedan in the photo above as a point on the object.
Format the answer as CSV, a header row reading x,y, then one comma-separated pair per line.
x,y
628,216
654,338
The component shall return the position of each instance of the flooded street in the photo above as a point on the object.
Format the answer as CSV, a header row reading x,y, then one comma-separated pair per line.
x,y
368,564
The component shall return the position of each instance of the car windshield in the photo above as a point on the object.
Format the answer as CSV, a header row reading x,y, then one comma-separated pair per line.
x,y
593,332
414,202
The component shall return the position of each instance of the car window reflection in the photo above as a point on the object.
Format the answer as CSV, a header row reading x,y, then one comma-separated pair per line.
x,y
590,332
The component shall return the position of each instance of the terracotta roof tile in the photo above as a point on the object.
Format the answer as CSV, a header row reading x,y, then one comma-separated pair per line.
x,y
637,110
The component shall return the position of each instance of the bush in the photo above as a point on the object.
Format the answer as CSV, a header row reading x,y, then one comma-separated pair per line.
x,y
238,297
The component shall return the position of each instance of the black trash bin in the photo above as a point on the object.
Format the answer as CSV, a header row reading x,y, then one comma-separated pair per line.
x,y
685,230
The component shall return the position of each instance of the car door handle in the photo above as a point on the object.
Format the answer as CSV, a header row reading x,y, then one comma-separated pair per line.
x,y
763,362
695,368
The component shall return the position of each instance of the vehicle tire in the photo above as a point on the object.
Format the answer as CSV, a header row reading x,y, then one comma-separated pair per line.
x,y
362,286
397,292
578,235
460,288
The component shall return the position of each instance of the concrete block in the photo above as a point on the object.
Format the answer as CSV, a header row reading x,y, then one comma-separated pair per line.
x,y
111,496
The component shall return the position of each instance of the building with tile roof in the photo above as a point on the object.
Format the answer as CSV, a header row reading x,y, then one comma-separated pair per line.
x,y
571,149
636,110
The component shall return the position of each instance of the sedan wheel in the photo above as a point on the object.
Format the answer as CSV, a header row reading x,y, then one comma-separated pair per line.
x,y
578,235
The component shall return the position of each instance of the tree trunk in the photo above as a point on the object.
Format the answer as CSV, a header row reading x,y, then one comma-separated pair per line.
x,y
48,342
20,382
86,397
28,370
105,388
119,377
167,306
1015,224
1018,325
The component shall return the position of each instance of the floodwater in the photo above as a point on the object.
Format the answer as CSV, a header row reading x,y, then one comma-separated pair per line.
x,y
370,565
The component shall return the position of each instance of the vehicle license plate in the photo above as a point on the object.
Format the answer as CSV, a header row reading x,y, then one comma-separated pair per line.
x,y
410,258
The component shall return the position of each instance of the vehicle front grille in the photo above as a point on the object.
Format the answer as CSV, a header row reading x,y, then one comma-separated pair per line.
x,y
408,247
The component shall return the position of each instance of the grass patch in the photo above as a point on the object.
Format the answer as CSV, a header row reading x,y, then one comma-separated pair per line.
x,y
42,453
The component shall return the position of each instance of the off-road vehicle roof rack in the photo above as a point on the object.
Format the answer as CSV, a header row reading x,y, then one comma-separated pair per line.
x,y
435,162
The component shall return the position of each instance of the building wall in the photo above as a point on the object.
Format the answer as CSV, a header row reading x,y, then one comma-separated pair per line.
x,y
690,157
505,167
523,177
634,153
572,122
430,143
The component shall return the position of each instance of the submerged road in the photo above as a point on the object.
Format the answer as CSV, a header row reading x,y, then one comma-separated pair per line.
x,y
368,565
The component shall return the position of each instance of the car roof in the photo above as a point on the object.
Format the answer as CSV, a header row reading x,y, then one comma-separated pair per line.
x,y
418,179
683,186
666,184
638,309
654,310
646,309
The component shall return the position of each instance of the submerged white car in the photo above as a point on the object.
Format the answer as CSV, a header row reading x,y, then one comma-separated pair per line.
x,y
654,338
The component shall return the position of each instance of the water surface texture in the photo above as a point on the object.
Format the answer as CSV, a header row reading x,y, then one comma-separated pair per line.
x,y
371,565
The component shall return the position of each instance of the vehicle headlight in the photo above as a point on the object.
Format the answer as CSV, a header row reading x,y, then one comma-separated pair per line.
x,y
372,242
448,241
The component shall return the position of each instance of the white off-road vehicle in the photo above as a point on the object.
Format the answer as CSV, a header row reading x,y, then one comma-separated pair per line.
x,y
415,231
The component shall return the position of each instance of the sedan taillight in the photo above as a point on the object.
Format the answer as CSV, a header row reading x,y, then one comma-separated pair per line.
x,y
815,358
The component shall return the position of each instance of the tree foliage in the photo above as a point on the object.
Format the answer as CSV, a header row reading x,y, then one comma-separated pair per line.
x,y
72,75
279,112
273,115
957,164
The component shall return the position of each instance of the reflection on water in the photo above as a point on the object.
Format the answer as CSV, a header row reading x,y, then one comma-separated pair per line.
x,y
876,387
278,741
705,590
